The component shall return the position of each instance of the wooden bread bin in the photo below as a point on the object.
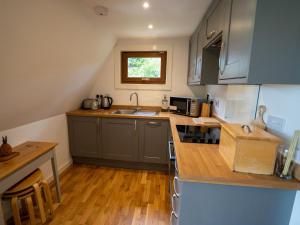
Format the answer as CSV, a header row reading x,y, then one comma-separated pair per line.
x,y
253,152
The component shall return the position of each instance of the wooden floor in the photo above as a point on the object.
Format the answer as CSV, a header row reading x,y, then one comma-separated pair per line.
x,y
109,196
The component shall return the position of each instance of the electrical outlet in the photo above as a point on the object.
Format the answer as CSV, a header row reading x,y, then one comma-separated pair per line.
x,y
275,123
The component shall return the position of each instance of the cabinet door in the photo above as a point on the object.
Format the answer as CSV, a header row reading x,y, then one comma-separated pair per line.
x,y
237,40
215,20
84,136
120,139
201,43
153,141
192,58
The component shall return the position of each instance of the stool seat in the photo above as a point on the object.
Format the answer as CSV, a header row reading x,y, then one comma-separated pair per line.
x,y
32,186
26,184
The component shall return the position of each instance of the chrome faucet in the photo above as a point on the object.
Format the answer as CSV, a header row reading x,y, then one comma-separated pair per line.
x,y
137,100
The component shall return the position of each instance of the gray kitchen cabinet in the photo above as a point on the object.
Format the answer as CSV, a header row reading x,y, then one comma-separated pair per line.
x,y
120,139
154,135
84,136
207,69
261,42
214,204
214,20
193,59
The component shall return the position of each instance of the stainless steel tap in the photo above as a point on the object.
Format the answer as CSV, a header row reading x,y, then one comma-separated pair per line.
x,y
137,100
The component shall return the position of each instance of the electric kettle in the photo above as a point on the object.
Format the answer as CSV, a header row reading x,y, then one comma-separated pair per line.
x,y
106,102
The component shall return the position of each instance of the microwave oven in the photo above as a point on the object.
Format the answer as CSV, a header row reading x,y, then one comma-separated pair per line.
x,y
185,106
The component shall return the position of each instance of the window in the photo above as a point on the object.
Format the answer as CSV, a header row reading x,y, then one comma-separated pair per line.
x,y
145,67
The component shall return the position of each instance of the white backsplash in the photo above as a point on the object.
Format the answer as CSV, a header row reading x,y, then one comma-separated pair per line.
x,y
234,103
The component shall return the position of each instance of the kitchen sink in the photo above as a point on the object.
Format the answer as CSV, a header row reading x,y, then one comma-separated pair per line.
x,y
124,111
134,112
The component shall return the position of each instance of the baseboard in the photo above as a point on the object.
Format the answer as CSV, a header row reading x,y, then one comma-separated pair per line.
x,y
61,171
121,164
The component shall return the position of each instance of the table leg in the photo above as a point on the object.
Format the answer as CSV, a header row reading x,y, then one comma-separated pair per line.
x,y
56,176
2,220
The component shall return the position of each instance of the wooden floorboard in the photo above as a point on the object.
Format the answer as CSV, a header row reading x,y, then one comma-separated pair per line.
x,y
109,196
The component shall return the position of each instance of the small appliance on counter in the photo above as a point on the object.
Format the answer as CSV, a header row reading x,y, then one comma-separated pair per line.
x,y
90,103
106,102
185,106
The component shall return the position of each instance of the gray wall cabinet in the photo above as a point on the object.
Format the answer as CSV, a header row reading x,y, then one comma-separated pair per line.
x,y
193,60
203,62
84,136
153,140
260,42
214,20
120,139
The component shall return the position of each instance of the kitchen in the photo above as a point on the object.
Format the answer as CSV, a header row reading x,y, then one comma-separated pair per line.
x,y
68,51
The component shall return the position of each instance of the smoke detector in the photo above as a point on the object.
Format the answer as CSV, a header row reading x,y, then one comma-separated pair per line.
x,y
101,10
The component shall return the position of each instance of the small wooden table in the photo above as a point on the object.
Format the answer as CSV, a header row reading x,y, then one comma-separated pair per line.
x,y
32,156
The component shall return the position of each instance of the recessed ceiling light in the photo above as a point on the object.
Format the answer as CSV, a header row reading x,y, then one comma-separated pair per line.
x,y
150,26
146,5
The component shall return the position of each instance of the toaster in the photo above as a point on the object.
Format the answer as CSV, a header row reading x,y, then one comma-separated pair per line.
x,y
90,103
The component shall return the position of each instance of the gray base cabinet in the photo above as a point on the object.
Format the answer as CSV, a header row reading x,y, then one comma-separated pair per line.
x,y
84,136
214,204
153,141
120,139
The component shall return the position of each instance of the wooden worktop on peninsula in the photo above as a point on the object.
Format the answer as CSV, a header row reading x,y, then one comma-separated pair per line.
x,y
202,162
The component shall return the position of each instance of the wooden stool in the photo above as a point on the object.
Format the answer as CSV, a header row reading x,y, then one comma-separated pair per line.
x,y
31,186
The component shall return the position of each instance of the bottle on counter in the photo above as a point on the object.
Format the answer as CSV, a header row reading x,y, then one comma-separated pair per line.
x,y
164,104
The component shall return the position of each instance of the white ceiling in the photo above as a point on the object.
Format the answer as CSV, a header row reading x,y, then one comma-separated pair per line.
x,y
170,18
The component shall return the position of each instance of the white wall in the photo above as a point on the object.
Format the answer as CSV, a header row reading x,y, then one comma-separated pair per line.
x,y
50,53
234,103
105,82
53,129
281,101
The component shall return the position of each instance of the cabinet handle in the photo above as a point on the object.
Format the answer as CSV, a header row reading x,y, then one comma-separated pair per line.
x,y
222,59
154,123
173,215
174,184
173,202
134,124
211,34
176,168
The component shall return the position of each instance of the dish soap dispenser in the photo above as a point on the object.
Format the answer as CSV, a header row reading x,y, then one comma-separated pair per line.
x,y
164,104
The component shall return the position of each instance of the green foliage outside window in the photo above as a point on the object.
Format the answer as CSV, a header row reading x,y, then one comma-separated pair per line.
x,y
144,67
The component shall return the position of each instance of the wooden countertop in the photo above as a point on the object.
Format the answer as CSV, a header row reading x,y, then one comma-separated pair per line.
x,y
108,113
28,152
201,162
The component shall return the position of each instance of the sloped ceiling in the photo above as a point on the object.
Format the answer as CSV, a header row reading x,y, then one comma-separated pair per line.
x,y
51,50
